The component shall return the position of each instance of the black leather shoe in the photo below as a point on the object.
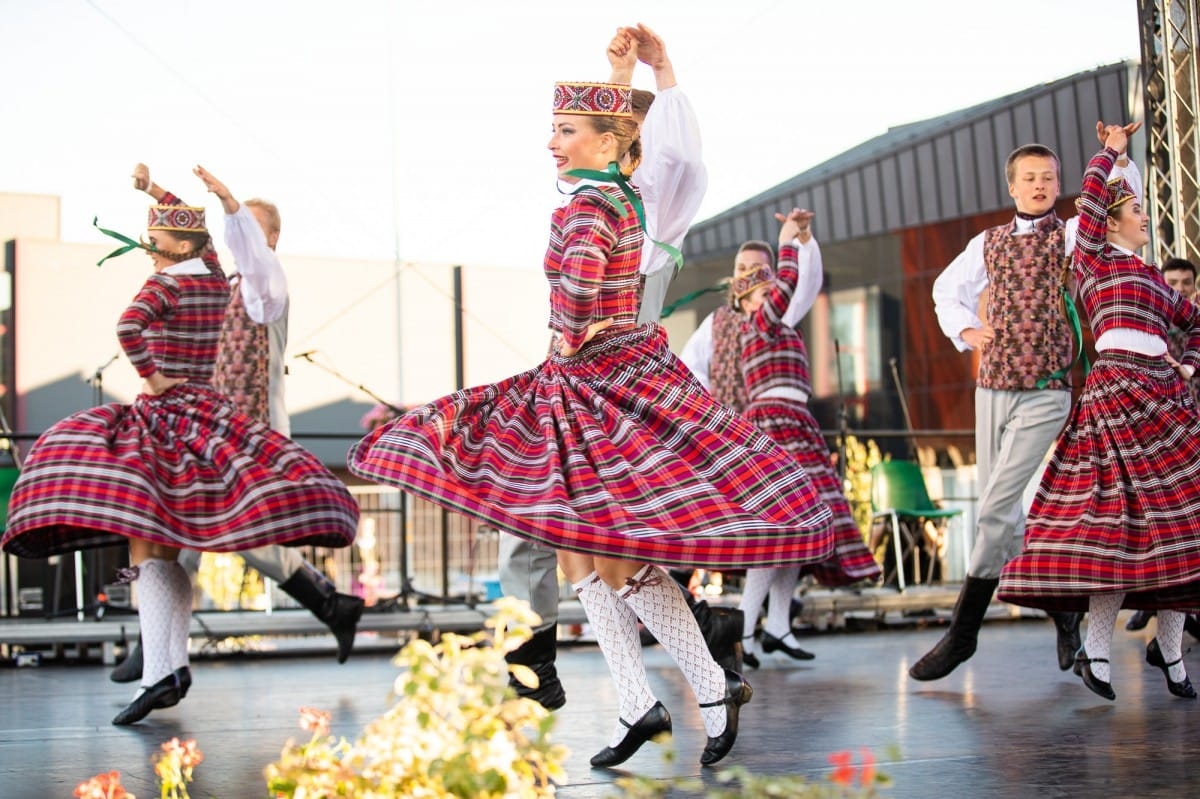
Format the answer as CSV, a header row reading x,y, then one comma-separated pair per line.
x,y
1191,625
737,693
1139,620
185,680
129,669
164,693
749,658
1066,628
1154,657
770,644
656,722
1083,667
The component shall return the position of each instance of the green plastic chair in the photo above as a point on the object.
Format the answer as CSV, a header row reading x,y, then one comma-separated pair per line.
x,y
900,496
8,476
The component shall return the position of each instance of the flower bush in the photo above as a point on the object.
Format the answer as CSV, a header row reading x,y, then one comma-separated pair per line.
x,y
456,729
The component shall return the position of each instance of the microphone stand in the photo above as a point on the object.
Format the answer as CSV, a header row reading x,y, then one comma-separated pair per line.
x,y
335,373
96,381
843,415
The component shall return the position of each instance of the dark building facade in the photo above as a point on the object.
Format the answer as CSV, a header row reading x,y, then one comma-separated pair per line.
x,y
891,214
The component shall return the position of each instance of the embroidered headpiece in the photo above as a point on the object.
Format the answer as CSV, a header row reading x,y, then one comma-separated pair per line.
x,y
605,99
176,217
1119,191
744,285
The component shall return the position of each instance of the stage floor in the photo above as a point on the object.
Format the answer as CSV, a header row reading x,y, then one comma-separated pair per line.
x,y
1006,724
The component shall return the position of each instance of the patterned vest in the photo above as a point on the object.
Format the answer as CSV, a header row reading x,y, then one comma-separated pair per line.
x,y
1033,336
728,386
243,357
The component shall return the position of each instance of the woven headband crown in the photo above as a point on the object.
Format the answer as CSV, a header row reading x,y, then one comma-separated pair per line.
x,y
747,283
1119,191
604,99
182,218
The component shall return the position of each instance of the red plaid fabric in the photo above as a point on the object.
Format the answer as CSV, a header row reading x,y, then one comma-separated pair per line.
x,y
1033,337
587,261
617,451
183,469
773,355
187,346
1120,290
792,426
1118,509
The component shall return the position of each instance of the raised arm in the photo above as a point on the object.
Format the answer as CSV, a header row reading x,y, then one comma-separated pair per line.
x,y
263,286
142,182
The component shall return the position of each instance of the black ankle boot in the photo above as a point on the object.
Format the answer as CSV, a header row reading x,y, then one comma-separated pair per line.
x,y
164,693
129,669
737,693
340,612
655,723
958,644
722,631
1066,627
539,654
1154,657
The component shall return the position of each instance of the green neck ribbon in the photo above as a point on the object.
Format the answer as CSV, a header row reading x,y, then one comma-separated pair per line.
x,y
613,175
129,243
688,299
1077,334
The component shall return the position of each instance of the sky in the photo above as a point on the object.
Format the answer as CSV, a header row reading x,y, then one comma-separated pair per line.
x,y
416,131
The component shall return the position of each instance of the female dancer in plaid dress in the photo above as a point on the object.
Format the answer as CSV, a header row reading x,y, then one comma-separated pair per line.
x,y
1116,520
610,452
770,360
178,468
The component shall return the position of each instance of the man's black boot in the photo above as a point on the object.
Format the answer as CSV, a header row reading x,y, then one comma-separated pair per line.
x,y
539,654
340,612
1066,628
722,631
958,644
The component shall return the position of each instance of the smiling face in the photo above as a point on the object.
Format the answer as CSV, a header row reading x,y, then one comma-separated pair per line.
x,y
164,242
575,144
1034,184
1128,226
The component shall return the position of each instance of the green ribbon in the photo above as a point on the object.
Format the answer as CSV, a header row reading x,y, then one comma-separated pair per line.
x,y
1077,334
691,297
613,174
129,243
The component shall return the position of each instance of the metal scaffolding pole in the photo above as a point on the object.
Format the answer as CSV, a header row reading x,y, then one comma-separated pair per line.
x,y
1171,86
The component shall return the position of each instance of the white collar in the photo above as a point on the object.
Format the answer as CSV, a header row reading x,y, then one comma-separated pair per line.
x,y
192,266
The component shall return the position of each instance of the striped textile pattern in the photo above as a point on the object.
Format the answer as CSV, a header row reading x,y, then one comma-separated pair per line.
x,y
791,426
1118,509
183,469
615,452
187,347
773,354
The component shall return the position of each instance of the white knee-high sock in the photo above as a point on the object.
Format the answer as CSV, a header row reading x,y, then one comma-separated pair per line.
x,y
758,583
615,626
664,611
1102,617
155,616
1170,641
179,585
779,612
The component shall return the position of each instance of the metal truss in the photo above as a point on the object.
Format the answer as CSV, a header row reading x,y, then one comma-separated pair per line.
x,y
1171,81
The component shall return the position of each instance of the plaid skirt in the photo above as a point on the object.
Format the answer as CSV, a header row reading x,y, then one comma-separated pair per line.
x,y
183,469
1118,510
792,426
615,452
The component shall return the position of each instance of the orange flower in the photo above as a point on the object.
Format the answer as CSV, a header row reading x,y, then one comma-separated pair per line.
x,y
843,773
187,753
314,721
103,786
868,768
